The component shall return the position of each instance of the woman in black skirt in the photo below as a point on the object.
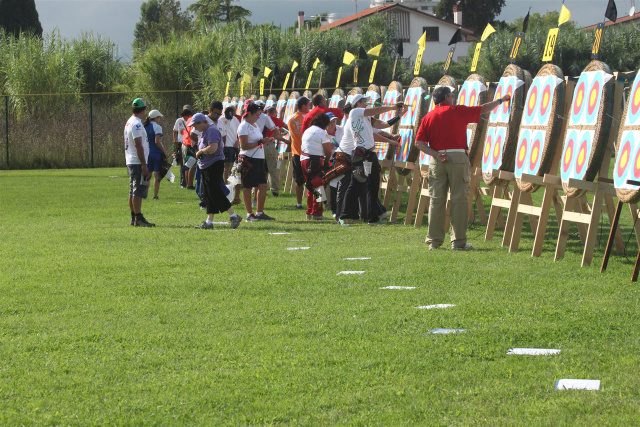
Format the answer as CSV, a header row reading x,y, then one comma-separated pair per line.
x,y
210,157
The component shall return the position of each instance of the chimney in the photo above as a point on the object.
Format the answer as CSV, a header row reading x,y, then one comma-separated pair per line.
x,y
457,13
300,22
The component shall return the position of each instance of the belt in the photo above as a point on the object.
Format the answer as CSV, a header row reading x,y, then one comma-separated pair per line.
x,y
455,150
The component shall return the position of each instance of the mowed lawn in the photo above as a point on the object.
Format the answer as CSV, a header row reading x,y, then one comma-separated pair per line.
x,y
104,323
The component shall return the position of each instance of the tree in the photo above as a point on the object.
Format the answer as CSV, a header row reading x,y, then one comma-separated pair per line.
x,y
210,11
475,14
17,16
158,20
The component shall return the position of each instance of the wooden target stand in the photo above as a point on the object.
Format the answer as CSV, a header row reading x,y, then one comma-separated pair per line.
x,y
587,215
391,97
403,172
523,205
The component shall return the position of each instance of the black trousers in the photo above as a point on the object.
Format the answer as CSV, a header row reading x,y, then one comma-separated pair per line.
x,y
211,190
369,189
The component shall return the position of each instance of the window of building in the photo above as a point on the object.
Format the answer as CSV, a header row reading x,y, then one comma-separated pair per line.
x,y
433,33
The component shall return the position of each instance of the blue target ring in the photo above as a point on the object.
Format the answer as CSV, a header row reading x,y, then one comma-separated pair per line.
x,y
531,104
594,95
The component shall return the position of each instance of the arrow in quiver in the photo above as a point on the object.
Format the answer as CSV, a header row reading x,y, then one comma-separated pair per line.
x,y
501,138
337,99
449,82
392,96
628,148
540,126
586,139
409,123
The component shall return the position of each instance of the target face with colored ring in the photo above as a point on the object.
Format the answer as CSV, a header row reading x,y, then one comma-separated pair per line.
x,y
334,102
470,93
406,135
493,148
390,97
529,152
424,159
382,149
507,85
488,150
412,101
627,161
587,98
633,112
270,103
282,103
575,154
531,104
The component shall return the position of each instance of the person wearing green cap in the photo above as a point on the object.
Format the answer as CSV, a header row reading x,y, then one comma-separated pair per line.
x,y
136,148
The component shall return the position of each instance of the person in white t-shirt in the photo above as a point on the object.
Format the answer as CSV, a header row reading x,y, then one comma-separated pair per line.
x,y
136,149
231,146
359,132
316,150
252,163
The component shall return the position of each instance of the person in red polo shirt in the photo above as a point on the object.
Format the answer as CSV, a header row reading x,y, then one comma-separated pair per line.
x,y
443,136
319,106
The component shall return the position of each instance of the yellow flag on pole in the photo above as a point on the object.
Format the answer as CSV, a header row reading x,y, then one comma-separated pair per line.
x,y
375,51
246,78
565,15
423,41
487,32
315,64
229,75
294,66
348,58
267,71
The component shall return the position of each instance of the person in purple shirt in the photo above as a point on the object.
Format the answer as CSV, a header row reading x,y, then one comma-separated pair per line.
x,y
210,157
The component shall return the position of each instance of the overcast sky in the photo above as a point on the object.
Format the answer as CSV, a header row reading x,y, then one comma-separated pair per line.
x,y
116,19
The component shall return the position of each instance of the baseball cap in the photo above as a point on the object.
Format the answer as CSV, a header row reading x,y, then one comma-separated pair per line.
x,y
331,116
357,99
138,103
247,103
198,117
260,103
154,113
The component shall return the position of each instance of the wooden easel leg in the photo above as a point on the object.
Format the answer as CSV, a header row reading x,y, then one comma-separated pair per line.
x,y
288,185
636,268
558,206
614,226
397,200
550,193
513,207
592,232
423,202
494,212
518,221
608,201
636,224
533,219
482,213
583,207
391,186
563,234
413,195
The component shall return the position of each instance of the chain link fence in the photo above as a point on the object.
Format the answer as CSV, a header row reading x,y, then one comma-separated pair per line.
x,y
80,130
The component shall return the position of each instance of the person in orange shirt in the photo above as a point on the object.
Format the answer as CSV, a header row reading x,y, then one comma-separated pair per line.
x,y
303,106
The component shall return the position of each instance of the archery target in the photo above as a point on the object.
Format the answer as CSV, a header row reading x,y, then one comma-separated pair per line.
x,y
406,135
575,155
627,162
587,100
470,93
334,102
529,152
493,148
390,98
538,106
531,104
372,97
282,103
412,101
633,111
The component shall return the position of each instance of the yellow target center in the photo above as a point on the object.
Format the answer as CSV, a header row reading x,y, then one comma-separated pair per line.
x,y
473,101
534,154
592,99
579,99
462,100
581,156
545,100
487,148
522,153
638,162
636,97
567,155
624,159
532,102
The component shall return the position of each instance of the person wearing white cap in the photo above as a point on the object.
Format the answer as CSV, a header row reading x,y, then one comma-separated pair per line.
x,y
156,149
359,133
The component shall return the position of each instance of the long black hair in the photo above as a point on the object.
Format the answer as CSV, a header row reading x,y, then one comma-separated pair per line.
x,y
321,120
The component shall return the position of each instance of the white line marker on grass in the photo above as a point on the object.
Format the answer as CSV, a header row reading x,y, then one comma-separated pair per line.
x,y
533,351
399,287
350,272
440,331
278,234
429,307
356,259
221,223
114,176
299,249
568,384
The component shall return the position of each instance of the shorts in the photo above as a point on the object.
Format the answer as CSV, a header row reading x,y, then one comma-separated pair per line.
x,y
297,170
257,175
230,154
137,187
154,163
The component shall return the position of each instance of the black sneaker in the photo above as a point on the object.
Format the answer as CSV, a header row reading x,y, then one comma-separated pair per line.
x,y
235,221
204,226
133,220
275,193
142,222
298,207
155,198
264,217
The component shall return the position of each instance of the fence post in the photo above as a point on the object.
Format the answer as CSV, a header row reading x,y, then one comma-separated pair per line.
x,y
6,124
91,124
177,106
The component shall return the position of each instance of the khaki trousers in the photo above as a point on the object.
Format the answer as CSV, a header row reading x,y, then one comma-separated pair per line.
x,y
453,177
271,158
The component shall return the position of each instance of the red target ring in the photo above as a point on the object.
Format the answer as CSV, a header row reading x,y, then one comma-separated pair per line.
x,y
635,101
505,105
581,159
623,161
568,155
546,100
522,153
487,150
579,100
636,166
463,95
593,98
472,100
498,96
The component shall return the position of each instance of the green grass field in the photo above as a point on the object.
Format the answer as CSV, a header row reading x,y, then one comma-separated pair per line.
x,y
104,323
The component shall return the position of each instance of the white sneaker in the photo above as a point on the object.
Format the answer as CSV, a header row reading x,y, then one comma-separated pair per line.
x,y
466,247
385,215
